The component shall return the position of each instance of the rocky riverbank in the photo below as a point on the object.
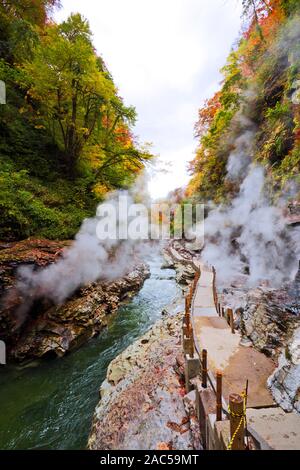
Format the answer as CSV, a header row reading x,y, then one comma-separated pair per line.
x,y
142,402
50,330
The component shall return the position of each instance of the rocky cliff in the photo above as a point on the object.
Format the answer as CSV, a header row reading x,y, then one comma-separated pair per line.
x,y
50,330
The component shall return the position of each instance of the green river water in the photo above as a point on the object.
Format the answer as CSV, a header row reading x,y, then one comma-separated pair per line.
x,y
49,405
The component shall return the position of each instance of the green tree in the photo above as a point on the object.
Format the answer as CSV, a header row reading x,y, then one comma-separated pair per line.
x,y
63,118
73,88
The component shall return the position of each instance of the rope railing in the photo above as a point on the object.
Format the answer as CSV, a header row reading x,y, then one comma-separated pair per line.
x,y
222,407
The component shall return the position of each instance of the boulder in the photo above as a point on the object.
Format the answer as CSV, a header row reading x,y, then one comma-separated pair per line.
x,y
180,258
266,319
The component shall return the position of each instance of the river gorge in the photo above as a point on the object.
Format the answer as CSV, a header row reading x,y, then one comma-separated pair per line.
x,y
49,404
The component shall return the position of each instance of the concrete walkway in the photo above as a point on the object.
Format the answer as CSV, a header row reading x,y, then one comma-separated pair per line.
x,y
237,363
203,302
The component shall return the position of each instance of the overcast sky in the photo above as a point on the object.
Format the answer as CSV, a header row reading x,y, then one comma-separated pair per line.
x,y
165,57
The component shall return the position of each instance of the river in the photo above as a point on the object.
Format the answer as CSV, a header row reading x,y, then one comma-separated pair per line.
x,y
50,404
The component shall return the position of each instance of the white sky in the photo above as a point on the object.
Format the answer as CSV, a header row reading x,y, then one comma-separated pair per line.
x,y
164,56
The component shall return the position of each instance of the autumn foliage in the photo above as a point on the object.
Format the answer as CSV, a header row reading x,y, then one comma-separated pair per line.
x,y
67,135
264,71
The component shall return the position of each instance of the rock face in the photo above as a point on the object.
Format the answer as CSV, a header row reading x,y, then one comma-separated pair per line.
x,y
141,404
53,330
178,257
267,321
285,382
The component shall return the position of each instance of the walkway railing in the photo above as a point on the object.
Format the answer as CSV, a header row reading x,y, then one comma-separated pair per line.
x,y
197,366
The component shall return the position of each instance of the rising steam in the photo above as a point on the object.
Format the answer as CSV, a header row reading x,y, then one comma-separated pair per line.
x,y
87,260
251,236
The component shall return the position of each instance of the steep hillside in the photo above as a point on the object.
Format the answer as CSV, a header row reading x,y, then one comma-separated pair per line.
x,y
66,135
255,117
